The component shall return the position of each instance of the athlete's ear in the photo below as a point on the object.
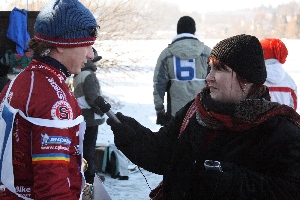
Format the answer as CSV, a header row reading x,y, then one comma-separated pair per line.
x,y
59,49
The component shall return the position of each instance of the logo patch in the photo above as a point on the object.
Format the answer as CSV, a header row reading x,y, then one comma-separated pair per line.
x,y
45,139
62,110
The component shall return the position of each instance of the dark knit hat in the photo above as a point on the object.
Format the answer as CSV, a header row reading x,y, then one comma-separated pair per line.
x,y
65,23
186,24
244,55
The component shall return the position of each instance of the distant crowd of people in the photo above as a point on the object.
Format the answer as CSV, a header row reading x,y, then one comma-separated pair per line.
x,y
229,130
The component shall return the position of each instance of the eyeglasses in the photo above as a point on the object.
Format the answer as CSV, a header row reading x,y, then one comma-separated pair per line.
x,y
93,32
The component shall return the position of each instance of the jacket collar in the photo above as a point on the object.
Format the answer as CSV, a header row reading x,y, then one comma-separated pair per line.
x,y
183,35
53,63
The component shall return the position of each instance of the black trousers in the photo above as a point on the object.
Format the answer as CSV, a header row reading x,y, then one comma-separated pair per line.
x,y
89,145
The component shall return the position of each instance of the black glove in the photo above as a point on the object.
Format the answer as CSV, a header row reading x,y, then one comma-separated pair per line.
x,y
161,118
124,131
220,182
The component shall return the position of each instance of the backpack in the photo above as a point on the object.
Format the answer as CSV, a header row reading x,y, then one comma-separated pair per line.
x,y
115,163
16,61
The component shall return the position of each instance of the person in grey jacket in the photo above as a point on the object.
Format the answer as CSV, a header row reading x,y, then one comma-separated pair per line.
x,y
86,90
180,70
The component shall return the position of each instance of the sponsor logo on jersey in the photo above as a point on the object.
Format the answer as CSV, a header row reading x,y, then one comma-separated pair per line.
x,y
60,93
24,191
54,140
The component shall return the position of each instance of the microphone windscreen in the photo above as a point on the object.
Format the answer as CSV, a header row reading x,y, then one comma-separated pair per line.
x,y
102,104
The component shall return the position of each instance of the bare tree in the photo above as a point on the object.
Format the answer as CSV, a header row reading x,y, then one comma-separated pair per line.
x,y
120,20
123,21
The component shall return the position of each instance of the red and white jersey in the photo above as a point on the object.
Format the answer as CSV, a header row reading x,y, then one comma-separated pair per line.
x,y
46,160
282,87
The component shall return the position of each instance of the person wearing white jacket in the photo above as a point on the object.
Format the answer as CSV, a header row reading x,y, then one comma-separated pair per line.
x,y
282,87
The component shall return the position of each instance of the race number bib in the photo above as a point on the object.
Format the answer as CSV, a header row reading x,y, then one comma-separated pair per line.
x,y
185,70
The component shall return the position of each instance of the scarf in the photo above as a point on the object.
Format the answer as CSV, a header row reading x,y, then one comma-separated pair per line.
x,y
243,115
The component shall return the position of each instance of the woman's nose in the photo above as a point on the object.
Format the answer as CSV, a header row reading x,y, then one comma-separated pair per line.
x,y
209,76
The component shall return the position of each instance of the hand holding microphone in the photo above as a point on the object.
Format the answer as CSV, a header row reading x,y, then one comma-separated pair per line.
x,y
105,108
124,132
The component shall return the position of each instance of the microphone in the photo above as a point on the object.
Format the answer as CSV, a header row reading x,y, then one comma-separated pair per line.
x,y
105,108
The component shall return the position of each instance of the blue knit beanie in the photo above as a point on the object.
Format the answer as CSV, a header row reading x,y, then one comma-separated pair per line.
x,y
65,23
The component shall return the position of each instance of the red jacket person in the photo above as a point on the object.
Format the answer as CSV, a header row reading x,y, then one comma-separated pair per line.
x,y
46,136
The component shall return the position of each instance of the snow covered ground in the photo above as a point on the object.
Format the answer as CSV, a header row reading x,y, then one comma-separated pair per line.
x,y
132,95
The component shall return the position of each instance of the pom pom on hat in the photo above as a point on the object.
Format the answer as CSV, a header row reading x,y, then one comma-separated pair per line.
x,y
65,23
186,24
274,48
244,55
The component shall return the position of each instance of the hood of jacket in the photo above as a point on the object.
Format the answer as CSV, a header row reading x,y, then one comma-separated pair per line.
x,y
89,66
275,71
186,46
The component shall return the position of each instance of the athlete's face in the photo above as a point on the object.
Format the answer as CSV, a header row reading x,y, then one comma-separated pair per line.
x,y
74,58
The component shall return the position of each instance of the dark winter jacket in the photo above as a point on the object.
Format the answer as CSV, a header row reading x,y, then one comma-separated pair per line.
x,y
262,162
86,90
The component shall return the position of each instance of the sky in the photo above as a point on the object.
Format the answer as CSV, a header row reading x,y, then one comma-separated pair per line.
x,y
133,96
225,5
